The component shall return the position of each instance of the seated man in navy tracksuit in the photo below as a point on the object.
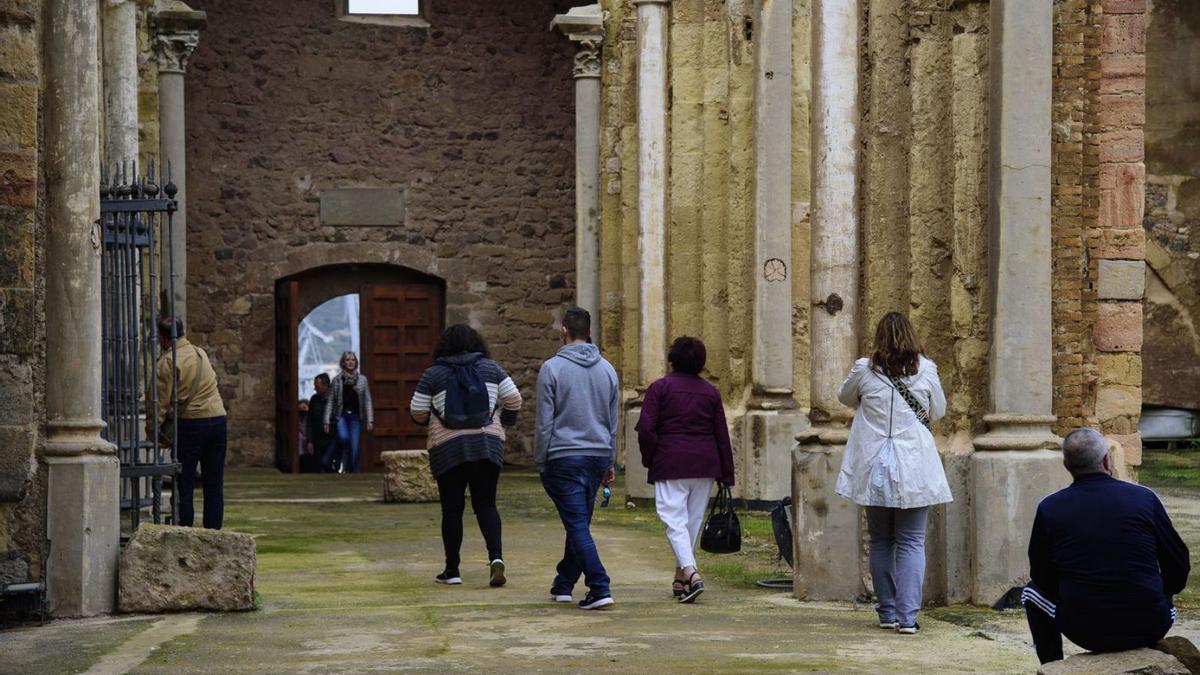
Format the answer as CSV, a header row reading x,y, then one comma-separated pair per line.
x,y
1104,559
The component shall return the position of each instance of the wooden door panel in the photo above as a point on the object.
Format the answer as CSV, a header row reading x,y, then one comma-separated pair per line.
x,y
287,416
401,323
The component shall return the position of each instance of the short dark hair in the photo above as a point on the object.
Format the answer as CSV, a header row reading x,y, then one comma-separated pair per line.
x,y
169,327
459,339
578,323
322,377
687,355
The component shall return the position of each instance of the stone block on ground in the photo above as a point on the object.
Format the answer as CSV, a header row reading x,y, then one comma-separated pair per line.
x,y
1182,649
165,568
407,477
1141,661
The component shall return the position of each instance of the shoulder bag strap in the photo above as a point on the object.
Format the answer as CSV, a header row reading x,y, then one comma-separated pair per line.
x,y
919,410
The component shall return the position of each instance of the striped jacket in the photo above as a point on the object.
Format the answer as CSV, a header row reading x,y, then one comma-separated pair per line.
x,y
450,447
333,410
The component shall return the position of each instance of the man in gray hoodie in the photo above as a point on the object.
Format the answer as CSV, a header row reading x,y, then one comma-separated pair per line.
x,y
578,399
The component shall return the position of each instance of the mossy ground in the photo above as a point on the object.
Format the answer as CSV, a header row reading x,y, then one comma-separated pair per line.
x,y
346,586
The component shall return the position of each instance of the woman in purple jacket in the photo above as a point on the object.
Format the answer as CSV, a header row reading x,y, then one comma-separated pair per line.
x,y
685,444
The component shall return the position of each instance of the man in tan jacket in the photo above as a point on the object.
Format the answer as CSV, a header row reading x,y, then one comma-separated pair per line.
x,y
201,429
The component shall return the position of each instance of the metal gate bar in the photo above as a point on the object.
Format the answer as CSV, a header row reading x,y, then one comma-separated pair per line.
x,y
135,230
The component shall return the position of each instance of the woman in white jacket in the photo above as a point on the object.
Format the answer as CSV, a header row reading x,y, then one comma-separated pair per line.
x,y
891,464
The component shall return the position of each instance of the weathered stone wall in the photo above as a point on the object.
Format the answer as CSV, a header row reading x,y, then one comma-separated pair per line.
x,y
22,380
1172,216
710,225
472,116
924,167
1112,295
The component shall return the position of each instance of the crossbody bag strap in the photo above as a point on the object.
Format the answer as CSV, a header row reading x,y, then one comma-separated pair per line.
x,y
918,409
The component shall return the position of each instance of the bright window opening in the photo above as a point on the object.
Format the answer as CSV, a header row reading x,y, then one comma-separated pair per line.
x,y
392,7
325,334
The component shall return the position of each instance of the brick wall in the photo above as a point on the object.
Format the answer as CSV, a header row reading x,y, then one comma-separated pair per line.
x,y
22,486
1116,243
473,116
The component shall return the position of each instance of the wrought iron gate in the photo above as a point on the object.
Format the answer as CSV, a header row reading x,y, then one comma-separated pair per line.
x,y
135,216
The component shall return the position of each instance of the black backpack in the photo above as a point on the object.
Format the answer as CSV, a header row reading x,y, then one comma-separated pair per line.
x,y
467,402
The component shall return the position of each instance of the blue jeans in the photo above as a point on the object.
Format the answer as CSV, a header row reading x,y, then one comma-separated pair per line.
x,y
202,442
349,431
572,483
898,561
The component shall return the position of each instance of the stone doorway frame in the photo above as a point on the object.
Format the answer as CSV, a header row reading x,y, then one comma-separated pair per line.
x,y
299,293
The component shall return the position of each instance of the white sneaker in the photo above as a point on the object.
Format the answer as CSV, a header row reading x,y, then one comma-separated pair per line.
x,y
561,598
889,626
909,630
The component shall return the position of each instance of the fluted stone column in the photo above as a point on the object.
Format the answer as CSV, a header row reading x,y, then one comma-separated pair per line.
x,y
827,553
177,34
82,509
1014,469
120,81
585,27
773,418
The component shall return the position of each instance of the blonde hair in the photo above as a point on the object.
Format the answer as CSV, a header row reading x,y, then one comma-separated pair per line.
x,y
342,360
898,348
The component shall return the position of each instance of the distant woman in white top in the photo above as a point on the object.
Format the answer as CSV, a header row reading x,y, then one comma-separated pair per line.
x,y
892,466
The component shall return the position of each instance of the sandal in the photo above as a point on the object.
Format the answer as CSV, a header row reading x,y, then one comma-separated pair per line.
x,y
692,589
677,589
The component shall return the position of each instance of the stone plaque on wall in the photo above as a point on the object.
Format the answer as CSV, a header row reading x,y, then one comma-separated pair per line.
x,y
362,207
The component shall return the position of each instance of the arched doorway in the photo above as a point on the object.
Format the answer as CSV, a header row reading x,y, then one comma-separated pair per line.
x,y
400,315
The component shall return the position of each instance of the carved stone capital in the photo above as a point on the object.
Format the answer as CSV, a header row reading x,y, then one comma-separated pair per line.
x,y
587,58
173,49
585,27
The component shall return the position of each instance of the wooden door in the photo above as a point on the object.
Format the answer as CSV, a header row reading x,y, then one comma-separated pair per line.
x,y
400,324
287,414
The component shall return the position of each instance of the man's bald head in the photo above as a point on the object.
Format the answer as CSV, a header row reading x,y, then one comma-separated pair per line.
x,y
1084,451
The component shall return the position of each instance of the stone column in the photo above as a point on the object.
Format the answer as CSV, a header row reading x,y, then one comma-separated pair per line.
x,y
178,33
120,82
829,566
773,418
652,19
585,27
82,509
1010,480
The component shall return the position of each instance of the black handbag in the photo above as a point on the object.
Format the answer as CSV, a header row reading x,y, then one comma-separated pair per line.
x,y
722,531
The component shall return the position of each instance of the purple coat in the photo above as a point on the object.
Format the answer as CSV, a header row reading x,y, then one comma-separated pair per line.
x,y
682,431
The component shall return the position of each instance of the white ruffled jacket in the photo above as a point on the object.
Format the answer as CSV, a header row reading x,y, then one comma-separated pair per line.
x,y
891,459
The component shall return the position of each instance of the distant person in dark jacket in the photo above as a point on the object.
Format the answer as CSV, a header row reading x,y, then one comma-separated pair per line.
x,y
1104,559
684,441
321,443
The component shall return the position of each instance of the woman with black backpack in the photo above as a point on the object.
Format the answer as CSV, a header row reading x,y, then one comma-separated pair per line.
x,y
459,397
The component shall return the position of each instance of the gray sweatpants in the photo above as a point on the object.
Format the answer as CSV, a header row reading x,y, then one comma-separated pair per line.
x,y
898,561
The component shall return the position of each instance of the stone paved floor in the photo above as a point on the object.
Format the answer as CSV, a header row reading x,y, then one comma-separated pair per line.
x,y
346,584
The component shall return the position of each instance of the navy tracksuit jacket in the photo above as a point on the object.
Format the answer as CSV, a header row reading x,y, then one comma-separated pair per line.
x,y
1106,554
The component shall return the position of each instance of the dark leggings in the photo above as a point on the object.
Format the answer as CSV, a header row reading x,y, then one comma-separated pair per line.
x,y
481,477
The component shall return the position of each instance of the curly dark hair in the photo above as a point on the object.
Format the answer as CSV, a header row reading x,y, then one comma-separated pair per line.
x,y
459,339
687,355
898,348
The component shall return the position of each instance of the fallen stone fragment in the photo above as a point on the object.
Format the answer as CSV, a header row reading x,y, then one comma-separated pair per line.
x,y
165,568
407,477
1182,649
1140,661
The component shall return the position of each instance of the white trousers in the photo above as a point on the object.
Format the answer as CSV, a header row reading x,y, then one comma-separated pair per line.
x,y
680,504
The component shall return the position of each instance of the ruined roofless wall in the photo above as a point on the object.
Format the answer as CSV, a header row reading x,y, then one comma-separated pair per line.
x,y
1172,220
473,117
22,292
924,170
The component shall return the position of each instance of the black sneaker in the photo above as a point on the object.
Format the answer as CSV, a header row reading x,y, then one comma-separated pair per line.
x,y
498,579
448,579
595,601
